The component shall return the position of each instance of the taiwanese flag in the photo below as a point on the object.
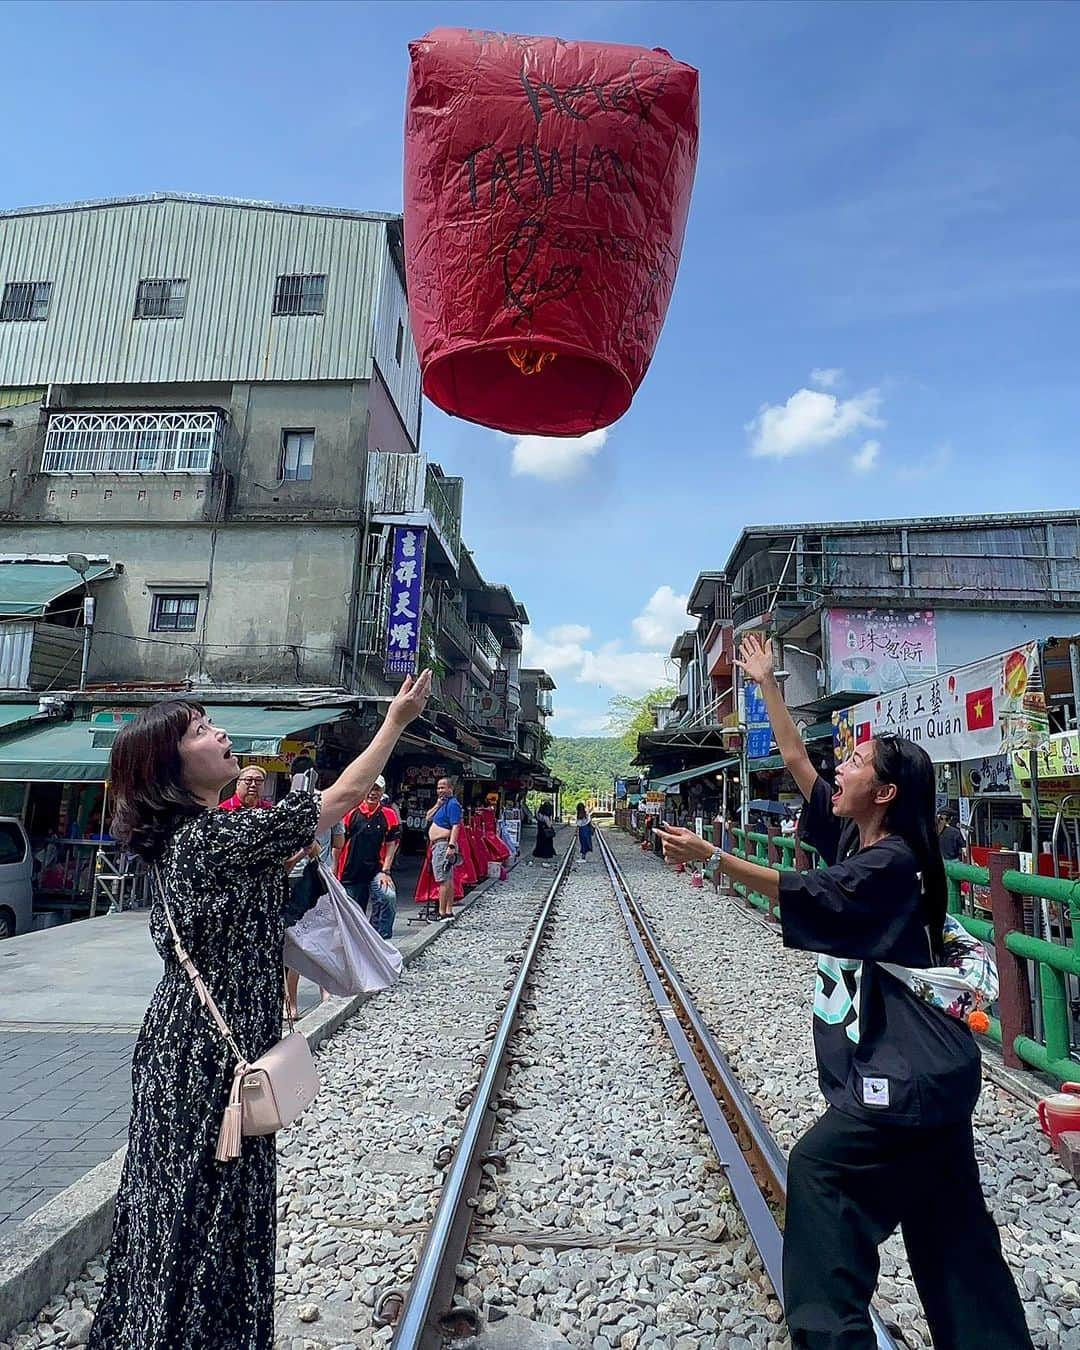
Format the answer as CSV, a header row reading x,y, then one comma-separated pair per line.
x,y
862,733
979,708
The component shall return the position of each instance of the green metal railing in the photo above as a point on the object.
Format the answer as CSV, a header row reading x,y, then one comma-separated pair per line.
x,y
1016,949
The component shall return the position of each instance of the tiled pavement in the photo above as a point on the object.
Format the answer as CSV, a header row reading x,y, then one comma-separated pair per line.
x,y
73,1000
63,1109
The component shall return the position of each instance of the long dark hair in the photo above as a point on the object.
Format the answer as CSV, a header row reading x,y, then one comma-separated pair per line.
x,y
149,797
581,812
912,814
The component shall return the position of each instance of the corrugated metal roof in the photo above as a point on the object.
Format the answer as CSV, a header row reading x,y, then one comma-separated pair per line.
x,y
251,203
230,254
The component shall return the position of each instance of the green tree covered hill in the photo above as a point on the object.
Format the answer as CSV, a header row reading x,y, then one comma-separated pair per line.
x,y
587,765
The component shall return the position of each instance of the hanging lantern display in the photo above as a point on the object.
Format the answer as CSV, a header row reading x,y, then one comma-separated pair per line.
x,y
547,185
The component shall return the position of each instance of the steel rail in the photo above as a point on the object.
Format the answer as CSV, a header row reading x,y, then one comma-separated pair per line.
x,y
741,1139
430,1295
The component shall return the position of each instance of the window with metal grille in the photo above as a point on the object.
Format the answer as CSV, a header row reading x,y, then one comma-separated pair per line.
x,y
160,299
125,442
174,613
25,301
300,293
297,454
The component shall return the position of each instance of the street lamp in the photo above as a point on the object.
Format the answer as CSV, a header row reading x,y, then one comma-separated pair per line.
x,y
80,563
790,647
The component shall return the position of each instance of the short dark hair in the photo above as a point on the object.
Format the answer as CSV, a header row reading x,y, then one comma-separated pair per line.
x,y
150,800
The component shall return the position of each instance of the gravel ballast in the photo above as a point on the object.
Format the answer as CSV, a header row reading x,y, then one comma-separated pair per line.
x,y
756,997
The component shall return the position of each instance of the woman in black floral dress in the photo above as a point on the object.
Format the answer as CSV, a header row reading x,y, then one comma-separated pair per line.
x,y
191,1265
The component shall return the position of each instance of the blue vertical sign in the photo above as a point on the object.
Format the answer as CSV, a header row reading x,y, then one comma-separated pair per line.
x,y
758,731
406,591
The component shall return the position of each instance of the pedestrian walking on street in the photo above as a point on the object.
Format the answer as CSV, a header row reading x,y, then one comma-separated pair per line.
x,y
952,841
191,1264
444,826
584,825
365,863
544,848
901,1075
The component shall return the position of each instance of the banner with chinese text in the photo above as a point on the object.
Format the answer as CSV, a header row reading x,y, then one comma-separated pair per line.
x,y
406,599
983,709
874,651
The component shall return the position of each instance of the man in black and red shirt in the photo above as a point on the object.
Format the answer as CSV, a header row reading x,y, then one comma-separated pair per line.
x,y
372,837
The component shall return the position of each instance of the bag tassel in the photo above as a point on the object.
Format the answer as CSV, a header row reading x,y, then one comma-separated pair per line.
x,y
228,1145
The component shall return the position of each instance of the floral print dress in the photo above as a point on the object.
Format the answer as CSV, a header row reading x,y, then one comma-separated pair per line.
x,y
191,1265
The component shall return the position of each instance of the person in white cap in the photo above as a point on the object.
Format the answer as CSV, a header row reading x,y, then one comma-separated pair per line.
x,y
365,863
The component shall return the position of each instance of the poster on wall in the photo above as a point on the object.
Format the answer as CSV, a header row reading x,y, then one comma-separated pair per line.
x,y
989,776
983,709
873,651
406,585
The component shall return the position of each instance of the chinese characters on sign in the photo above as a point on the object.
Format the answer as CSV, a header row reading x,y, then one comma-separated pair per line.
x,y
406,590
758,731
874,651
987,708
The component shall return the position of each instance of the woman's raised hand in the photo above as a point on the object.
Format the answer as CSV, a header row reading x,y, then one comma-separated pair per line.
x,y
756,661
411,699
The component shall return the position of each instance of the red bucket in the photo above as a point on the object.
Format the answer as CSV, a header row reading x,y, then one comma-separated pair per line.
x,y
1060,1113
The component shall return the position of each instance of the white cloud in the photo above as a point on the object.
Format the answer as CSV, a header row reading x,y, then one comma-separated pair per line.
x,y
550,654
662,619
621,671
864,460
827,377
555,458
569,632
580,722
811,420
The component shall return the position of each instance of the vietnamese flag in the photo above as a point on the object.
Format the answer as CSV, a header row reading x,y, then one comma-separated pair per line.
x,y
979,707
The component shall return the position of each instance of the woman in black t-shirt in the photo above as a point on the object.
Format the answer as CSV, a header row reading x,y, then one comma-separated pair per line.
x,y
895,1147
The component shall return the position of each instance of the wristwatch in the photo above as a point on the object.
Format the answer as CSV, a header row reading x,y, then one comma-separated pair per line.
x,y
716,855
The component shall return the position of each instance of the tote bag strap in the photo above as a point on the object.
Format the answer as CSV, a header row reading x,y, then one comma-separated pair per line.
x,y
190,970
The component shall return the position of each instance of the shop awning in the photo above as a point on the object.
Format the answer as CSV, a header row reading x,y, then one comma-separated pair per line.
x,y
253,728
769,762
27,589
687,775
256,730
820,731
78,752
55,752
479,769
12,713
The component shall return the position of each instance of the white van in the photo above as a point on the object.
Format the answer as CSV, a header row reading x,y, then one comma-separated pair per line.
x,y
16,892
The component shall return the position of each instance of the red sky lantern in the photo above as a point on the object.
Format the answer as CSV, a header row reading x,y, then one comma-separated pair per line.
x,y
547,185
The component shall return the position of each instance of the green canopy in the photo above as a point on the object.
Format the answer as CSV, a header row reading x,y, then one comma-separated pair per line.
x,y
10,713
55,752
28,588
702,771
770,762
256,730
78,752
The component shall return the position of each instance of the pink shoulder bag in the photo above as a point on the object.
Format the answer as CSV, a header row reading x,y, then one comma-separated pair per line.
x,y
267,1094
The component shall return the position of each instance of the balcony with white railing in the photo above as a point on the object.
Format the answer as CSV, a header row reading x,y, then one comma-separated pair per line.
x,y
132,443
404,489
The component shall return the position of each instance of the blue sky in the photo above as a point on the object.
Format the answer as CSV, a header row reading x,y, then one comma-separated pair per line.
x,y
875,313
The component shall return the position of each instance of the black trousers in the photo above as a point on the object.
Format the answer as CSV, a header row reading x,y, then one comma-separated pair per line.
x,y
850,1184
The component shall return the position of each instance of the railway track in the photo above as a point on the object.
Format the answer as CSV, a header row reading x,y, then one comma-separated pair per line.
x,y
428,1315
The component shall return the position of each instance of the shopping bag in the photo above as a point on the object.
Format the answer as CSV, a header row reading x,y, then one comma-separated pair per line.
x,y
335,946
